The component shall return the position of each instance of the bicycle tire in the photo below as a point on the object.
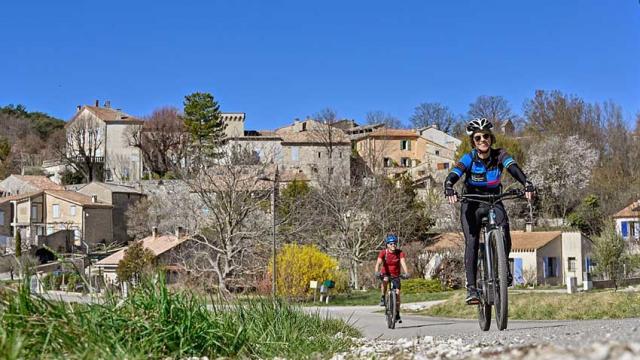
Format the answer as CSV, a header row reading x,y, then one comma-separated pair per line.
x,y
501,273
484,309
391,318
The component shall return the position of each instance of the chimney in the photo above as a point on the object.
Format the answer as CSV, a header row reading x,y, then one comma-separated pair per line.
x,y
94,198
107,104
179,232
97,103
78,108
154,231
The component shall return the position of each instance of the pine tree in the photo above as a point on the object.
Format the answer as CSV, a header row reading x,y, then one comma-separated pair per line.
x,y
203,121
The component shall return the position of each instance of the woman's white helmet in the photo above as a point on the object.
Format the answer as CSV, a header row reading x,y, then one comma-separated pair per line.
x,y
478,124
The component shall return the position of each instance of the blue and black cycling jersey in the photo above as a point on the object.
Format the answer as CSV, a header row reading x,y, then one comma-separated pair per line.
x,y
482,176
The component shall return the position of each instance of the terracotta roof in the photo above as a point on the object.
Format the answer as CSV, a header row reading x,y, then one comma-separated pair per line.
x,y
520,240
384,132
530,241
77,198
158,245
444,241
107,114
631,211
41,182
116,188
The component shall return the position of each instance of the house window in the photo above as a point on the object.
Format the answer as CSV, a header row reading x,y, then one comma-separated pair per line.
x,y
633,229
319,154
387,162
437,152
442,166
405,162
294,153
72,210
49,229
1,218
34,212
405,144
56,210
572,264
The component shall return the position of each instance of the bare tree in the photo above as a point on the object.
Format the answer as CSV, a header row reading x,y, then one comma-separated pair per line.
x,y
494,108
82,147
427,114
330,137
162,139
230,243
380,117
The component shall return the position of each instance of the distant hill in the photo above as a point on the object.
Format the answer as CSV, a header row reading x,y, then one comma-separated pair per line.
x,y
17,117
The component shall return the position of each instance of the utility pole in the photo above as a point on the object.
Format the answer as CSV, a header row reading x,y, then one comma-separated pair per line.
x,y
274,197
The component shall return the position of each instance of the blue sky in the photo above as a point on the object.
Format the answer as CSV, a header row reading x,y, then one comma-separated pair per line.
x,y
278,60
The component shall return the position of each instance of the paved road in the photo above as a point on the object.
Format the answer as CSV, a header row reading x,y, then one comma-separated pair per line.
x,y
372,323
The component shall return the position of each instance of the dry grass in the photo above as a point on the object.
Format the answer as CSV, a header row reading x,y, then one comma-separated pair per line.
x,y
551,306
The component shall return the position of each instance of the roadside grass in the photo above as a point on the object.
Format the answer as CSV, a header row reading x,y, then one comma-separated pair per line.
x,y
153,323
372,297
550,306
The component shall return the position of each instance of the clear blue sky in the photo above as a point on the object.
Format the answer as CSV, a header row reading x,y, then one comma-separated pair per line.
x,y
277,60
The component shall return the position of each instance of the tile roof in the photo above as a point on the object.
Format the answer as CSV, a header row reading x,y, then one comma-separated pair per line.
x,y
529,241
41,182
7,199
107,114
77,198
158,245
520,240
630,211
384,132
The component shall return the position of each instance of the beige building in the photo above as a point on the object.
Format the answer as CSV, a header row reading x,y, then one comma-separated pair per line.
x,y
41,214
108,136
122,197
550,257
319,151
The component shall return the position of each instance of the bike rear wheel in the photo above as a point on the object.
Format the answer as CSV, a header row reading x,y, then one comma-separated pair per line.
x,y
501,275
484,309
391,309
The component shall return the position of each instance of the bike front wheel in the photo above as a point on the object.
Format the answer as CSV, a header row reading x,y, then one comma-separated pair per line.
x,y
484,309
500,274
391,309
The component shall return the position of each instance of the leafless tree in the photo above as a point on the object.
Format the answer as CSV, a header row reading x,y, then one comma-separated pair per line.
x,y
380,117
230,243
494,108
81,147
162,139
325,132
435,113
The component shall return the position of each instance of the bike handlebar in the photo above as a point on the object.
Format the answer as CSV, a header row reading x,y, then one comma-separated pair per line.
x,y
491,199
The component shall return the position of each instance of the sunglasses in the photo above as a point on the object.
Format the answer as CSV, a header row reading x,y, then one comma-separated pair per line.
x,y
481,137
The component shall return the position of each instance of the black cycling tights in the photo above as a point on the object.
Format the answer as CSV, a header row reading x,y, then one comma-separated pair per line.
x,y
471,216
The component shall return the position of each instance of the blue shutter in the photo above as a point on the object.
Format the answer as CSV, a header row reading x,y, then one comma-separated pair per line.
x,y
517,271
545,272
624,226
558,263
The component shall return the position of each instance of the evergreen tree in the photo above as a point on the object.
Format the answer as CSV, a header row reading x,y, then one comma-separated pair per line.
x,y
18,244
136,262
203,121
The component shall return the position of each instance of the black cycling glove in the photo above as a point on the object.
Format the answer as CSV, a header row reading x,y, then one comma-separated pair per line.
x,y
448,189
528,187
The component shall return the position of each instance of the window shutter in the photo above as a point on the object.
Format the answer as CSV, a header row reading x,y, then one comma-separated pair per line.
x,y
408,144
544,267
625,229
558,267
517,271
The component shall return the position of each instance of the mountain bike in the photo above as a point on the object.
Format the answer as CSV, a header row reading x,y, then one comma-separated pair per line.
x,y
391,305
492,279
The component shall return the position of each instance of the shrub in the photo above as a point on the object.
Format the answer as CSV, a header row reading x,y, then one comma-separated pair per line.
x,y
137,261
416,286
300,264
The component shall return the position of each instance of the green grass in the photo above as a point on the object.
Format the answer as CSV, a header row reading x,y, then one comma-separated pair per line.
x,y
155,324
372,297
550,306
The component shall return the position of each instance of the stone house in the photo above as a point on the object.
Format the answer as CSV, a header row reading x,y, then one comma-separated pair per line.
x,y
122,197
121,161
390,151
41,214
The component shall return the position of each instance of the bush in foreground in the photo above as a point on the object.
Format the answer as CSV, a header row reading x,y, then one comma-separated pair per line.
x,y
153,323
